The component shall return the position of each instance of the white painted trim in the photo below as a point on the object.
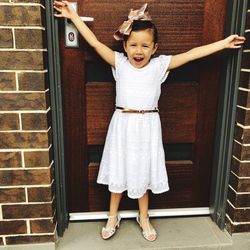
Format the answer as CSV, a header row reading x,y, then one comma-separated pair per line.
x,y
23,27
29,186
242,126
25,150
1,213
240,177
35,219
23,50
14,38
236,223
242,106
25,111
242,144
21,4
237,208
28,226
28,203
236,191
24,91
24,71
44,246
133,213
240,160
26,131
245,70
244,89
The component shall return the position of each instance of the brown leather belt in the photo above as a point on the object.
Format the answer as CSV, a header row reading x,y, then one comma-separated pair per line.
x,y
126,110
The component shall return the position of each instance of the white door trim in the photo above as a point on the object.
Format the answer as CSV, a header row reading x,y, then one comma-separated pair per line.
x,y
132,213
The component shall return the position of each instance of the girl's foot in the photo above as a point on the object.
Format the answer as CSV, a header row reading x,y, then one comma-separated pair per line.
x,y
110,229
148,231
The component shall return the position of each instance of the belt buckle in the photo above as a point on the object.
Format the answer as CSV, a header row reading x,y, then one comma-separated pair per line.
x,y
141,111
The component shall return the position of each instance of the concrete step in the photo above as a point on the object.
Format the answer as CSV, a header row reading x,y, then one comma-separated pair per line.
x,y
185,233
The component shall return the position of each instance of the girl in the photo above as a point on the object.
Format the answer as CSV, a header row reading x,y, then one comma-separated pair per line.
x,y
133,157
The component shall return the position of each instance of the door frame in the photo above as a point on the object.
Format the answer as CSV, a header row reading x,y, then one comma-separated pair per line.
x,y
224,134
235,23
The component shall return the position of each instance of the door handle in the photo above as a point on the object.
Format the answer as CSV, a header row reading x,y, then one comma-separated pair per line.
x,y
71,32
87,19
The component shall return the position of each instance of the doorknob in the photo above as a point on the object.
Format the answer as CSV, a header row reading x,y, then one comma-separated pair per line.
x,y
71,32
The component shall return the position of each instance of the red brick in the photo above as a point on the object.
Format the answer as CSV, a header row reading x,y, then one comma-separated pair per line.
x,y
242,135
238,199
25,177
9,122
243,98
27,211
10,160
22,60
20,15
13,227
29,239
40,194
38,159
247,42
29,38
241,169
237,214
243,116
42,226
245,60
237,228
11,195
6,38
25,140
7,81
23,101
33,81
240,185
241,152
35,121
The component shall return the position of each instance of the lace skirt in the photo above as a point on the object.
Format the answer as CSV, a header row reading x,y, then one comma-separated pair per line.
x,y
133,157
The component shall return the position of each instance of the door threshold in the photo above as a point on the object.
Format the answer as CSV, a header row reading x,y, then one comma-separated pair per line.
x,y
171,212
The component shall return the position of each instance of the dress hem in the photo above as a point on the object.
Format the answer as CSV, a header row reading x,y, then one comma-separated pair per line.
x,y
134,197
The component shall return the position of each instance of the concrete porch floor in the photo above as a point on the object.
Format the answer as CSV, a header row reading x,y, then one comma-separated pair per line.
x,y
189,233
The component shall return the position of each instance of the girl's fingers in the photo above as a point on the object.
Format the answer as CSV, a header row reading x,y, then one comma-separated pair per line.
x,y
57,3
58,9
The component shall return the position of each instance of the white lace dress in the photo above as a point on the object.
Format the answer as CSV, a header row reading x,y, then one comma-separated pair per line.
x,y
133,158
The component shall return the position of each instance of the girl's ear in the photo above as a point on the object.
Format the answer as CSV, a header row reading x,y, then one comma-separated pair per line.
x,y
155,48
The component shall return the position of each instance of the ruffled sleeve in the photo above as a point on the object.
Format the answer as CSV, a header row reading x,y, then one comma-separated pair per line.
x,y
120,58
163,64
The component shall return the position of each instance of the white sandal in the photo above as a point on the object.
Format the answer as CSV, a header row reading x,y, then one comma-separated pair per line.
x,y
147,234
111,230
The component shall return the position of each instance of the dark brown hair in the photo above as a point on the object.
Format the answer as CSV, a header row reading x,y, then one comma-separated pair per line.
x,y
143,25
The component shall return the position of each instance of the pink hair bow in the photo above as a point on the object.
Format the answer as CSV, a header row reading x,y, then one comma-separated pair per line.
x,y
125,28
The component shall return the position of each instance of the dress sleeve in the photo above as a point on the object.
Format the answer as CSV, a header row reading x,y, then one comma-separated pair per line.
x,y
164,62
119,59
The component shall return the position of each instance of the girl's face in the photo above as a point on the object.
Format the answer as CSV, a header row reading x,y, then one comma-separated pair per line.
x,y
140,47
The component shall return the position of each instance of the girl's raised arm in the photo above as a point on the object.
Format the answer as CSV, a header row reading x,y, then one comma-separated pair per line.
x,y
231,42
65,10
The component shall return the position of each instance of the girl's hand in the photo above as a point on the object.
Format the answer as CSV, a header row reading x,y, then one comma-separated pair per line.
x,y
234,41
64,9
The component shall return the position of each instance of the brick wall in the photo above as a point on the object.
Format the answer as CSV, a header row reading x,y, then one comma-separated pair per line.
x,y
238,204
27,213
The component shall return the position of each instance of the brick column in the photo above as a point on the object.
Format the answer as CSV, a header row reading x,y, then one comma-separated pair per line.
x,y
27,213
238,204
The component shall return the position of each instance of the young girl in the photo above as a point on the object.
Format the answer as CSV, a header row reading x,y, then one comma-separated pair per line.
x,y
133,157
